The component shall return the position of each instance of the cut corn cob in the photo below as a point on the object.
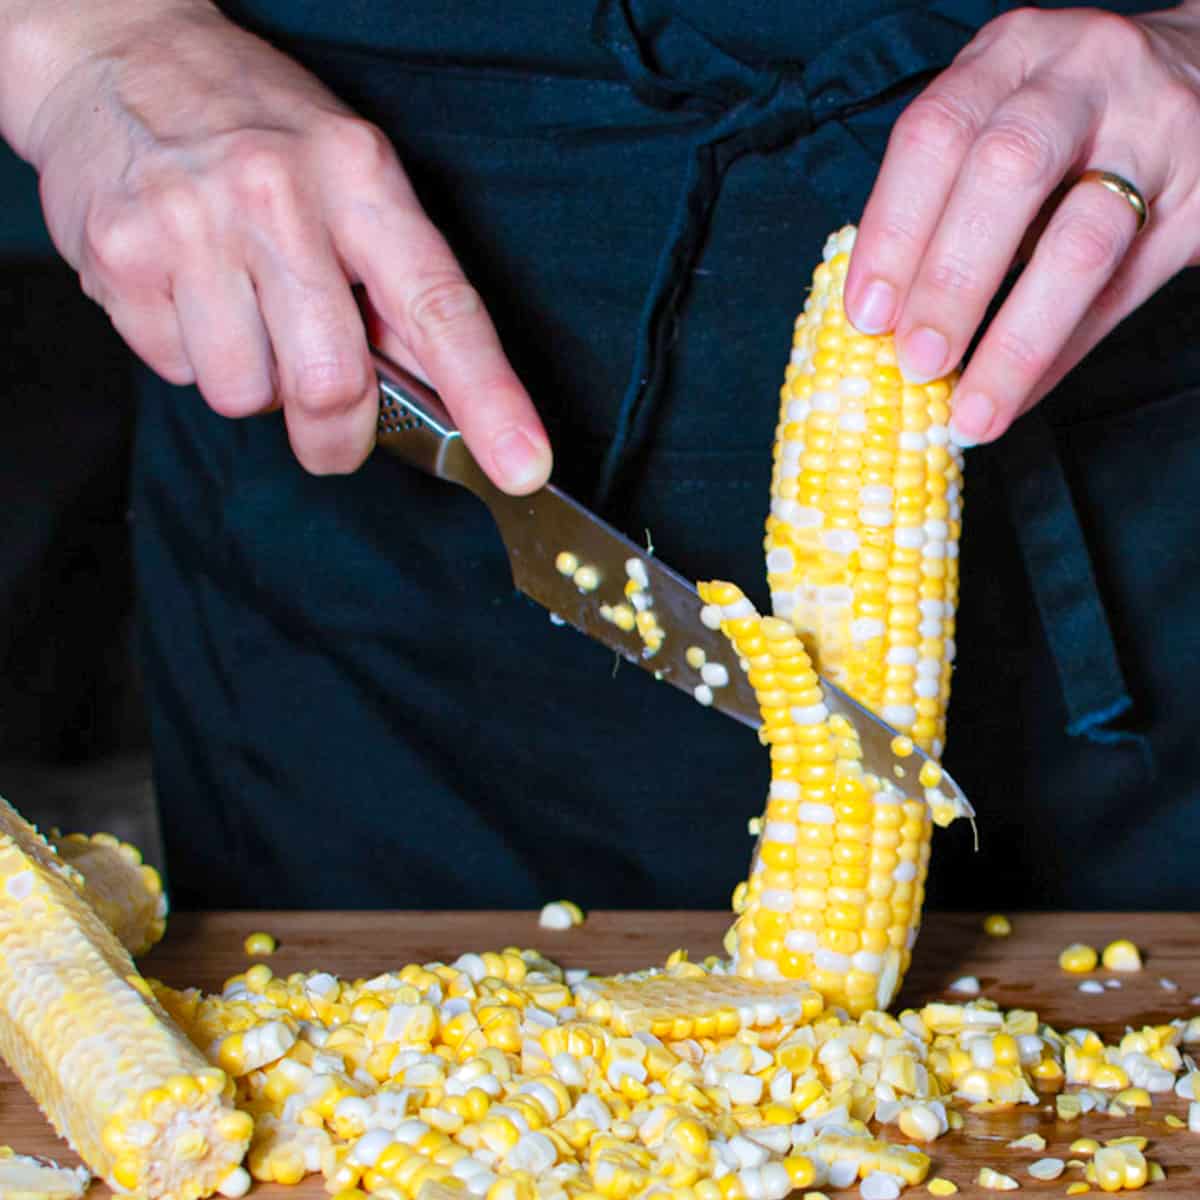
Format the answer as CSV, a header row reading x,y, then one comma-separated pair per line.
x,y
125,892
837,879
23,1177
862,535
687,1001
81,1029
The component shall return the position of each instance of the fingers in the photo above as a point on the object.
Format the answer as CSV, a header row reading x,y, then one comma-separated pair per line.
x,y
152,332
120,272
981,173
326,384
925,154
1155,255
223,337
1019,157
1075,258
434,317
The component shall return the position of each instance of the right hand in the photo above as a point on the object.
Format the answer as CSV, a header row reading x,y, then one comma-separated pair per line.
x,y
220,204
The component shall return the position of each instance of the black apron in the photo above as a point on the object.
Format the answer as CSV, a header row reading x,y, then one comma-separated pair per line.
x,y
351,706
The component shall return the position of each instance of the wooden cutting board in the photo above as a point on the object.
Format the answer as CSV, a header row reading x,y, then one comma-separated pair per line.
x,y
1020,971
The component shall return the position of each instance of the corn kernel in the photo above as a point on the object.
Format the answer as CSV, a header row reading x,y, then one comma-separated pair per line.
x,y
1078,958
1121,955
260,944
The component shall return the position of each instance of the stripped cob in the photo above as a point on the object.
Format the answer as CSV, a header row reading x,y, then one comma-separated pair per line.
x,y
81,1029
685,1001
866,510
125,892
23,1177
837,880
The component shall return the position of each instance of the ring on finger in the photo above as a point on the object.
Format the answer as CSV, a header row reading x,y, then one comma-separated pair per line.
x,y
1123,188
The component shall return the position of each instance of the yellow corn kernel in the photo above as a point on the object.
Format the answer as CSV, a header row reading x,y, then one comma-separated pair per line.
x,y
1084,1145
1078,958
997,925
995,1181
801,1170
1133,1097
260,944
1077,1189
1121,955
1109,1077
258,977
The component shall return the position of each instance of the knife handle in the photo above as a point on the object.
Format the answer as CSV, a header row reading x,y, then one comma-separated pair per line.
x,y
415,426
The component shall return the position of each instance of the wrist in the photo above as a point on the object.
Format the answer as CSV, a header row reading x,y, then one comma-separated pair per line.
x,y
43,41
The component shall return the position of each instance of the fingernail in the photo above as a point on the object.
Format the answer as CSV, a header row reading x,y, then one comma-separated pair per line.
x,y
971,419
873,313
520,462
922,354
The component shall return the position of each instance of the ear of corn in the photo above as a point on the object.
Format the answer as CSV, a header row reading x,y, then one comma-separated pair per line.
x,y
837,879
866,513
862,545
82,1031
125,892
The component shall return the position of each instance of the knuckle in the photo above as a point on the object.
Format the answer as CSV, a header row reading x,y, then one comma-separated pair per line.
x,y
1111,38
179,211
1085,245
1015,152
261,174
114,243
444,306
361,147
238,398
1017,22
1023,356
936,124
1180,100
176,369
323,387
334,452
899,230
954,275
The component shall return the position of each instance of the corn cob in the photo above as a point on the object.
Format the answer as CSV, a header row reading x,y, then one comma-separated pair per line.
x,y
866,512
82,1031
126,893
837,879
686,1001
23,1177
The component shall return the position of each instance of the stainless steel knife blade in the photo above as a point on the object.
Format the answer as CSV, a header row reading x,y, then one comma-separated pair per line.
x,y
539,528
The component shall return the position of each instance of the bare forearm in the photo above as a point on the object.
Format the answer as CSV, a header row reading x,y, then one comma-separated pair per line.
x,y
43,41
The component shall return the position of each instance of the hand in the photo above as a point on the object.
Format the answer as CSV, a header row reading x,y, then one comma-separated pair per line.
x,y
221,204
974,169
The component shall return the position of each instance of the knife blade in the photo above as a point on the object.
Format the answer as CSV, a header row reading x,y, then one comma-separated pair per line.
x,y
575,565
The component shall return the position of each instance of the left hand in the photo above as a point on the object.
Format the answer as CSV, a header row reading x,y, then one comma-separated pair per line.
x,y
975,166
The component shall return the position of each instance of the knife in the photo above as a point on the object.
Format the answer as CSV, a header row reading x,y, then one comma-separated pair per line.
x,y
572,563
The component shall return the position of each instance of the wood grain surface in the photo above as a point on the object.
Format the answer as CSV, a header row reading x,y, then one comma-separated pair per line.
x,y
1021,971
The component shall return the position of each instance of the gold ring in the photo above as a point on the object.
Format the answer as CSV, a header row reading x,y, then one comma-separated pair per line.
x,y
1124,189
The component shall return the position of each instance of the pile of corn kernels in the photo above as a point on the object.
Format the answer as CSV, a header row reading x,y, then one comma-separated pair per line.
x,y
502,1076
